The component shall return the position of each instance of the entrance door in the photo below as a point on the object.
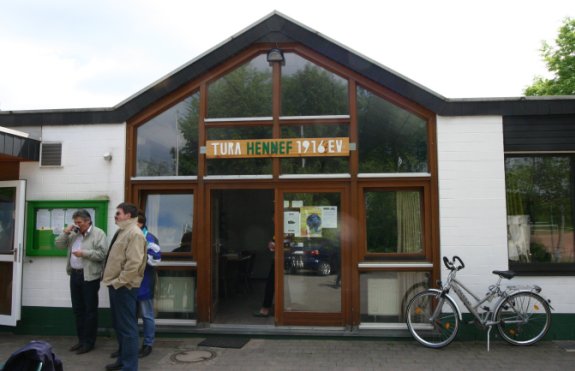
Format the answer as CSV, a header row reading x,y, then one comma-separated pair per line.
x,y
310,273
12,200
242,224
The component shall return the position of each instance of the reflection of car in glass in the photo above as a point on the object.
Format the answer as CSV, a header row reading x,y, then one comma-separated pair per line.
x,y
316,254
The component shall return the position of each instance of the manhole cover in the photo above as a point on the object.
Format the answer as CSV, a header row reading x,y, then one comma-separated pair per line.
x,y
192,356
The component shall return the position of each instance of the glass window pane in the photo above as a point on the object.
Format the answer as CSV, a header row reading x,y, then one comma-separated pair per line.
x,y
315,165
310,90
175,294
170,217
244,92
312,249
393,222
391,139
7,222
540,209
241,166
384,296
168,143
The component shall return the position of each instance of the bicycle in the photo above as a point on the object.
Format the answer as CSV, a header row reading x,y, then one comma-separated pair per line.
x,y
521,314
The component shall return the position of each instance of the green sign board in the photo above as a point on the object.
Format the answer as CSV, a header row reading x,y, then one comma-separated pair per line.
x,y
45,220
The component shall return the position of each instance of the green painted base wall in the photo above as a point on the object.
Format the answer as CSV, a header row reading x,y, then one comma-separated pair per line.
x,y
562,328
54,321
60,321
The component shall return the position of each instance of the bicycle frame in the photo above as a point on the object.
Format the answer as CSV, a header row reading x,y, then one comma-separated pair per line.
x,y
462,293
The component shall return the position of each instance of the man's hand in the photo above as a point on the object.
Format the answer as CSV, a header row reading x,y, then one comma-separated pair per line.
x,y
71,228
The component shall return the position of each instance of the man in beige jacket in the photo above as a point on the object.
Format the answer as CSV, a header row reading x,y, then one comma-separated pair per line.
x,y
123,274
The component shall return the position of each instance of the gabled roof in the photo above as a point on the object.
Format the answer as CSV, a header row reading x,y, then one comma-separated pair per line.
x,y
277,28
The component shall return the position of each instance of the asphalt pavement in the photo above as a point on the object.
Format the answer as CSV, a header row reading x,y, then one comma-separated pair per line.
x,y
308,353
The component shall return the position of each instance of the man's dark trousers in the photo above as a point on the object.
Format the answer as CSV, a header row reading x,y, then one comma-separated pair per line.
x,y
124,304
84,296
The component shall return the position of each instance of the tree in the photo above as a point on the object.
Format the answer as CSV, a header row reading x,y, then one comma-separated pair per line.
x,y
560,61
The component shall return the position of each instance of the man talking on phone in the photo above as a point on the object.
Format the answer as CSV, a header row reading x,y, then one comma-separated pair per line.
x,y
87,249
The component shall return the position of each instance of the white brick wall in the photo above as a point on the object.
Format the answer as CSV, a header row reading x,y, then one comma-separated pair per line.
x,y
471,198
472,206
84,175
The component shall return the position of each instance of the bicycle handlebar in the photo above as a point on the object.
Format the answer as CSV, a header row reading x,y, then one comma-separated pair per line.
x,y
451,264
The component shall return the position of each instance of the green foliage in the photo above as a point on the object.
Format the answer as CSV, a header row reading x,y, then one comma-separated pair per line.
x,y
313,91
539,253
538,186
244,92
381,224
391,139
188,126
560,61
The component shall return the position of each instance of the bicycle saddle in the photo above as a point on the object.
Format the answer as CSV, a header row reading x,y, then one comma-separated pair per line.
x,y
505,274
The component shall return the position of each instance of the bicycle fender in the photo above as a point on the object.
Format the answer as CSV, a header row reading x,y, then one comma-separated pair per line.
x,y
529,291
447,297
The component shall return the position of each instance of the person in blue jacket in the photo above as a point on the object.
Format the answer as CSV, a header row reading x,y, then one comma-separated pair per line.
x,y
146,292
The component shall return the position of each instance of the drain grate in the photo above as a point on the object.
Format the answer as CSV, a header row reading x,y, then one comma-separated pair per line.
x,y
192,356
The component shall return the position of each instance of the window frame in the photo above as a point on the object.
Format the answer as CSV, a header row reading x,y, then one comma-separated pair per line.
x,y
421,185
143,190
543,268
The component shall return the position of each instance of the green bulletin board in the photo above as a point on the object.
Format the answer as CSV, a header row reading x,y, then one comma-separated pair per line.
x,y
46,219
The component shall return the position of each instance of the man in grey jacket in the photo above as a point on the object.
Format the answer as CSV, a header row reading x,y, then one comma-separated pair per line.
x,y
87,248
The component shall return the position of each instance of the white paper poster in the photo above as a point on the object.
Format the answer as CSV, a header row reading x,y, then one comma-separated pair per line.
x,y
329,215
43,219
58,220
292,223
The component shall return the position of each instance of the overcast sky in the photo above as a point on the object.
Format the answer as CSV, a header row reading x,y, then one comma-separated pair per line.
x,y
97,53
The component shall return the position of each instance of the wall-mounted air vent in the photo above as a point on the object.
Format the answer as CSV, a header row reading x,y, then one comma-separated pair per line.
x,y
51,154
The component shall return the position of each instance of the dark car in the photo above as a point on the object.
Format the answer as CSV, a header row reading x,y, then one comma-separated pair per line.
x,y
318,255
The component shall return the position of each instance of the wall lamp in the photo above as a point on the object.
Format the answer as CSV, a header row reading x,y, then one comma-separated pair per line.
x,y
275,55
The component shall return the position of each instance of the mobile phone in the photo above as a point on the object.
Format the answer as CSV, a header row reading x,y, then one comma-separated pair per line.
x,y
75,229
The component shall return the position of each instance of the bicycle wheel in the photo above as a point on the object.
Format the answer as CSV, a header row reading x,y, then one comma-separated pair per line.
x,y
432,319
524,318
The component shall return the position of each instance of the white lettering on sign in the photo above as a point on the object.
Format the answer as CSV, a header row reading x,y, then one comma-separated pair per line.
x,y
227,148
323,146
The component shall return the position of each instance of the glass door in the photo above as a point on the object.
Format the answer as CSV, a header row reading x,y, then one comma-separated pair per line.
x,y
12,200
242,225
170,217
311,267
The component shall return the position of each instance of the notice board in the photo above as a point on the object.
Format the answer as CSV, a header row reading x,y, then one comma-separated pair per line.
x,y
45,220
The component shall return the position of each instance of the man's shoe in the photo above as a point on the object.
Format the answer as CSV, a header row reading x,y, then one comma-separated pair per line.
x,y
114,366
75,347
84,349
115,354
145,351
